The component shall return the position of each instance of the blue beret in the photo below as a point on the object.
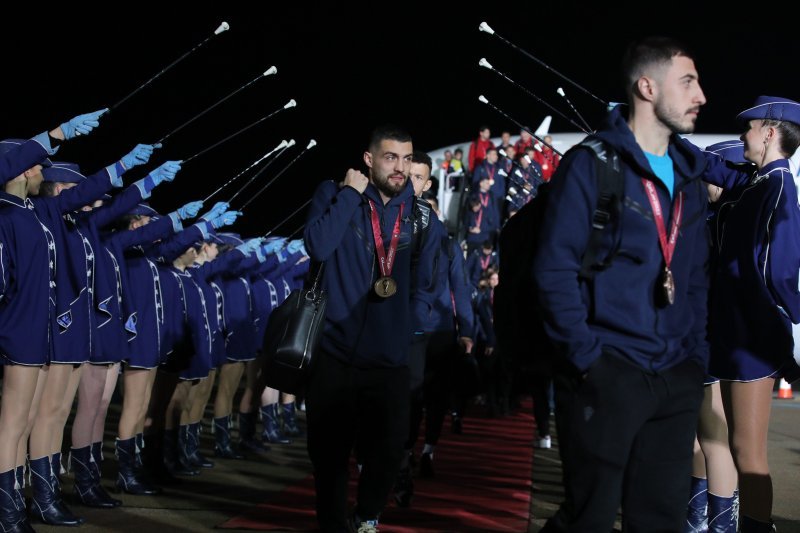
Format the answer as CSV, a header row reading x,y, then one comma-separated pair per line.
x,y
63,172
229,238
732,151
772,108
143,210
9,144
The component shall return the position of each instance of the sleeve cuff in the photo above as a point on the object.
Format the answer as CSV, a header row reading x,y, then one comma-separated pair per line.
x,y
115,172
260,255
176,222
44,139
143,187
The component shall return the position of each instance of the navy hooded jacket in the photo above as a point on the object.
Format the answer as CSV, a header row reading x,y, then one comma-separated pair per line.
x,y
362,328
618,312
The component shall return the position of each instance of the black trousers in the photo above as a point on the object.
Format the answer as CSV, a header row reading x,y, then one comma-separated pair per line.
x,y
626,438
441,349
365,409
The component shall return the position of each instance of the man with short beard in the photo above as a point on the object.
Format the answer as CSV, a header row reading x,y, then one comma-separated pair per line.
x,y
357,394
630,331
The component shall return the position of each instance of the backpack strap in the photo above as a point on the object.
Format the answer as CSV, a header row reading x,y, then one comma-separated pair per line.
x,y
422,221
611,186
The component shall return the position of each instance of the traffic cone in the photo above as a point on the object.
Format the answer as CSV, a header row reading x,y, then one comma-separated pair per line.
x,y
785,390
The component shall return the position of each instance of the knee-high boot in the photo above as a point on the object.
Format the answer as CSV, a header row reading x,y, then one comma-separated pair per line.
x,y
47,505
222,438
88,489
128,477
696,518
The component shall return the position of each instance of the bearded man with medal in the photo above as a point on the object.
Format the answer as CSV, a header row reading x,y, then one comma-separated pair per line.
x,y
629,329
357,396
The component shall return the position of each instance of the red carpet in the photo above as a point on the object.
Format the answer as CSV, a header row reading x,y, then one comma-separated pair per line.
x,y
482,484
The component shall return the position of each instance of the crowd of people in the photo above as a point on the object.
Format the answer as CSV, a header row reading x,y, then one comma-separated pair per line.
x,y
663,353
96,286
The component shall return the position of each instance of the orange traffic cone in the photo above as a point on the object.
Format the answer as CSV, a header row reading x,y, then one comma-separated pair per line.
x,y
785,390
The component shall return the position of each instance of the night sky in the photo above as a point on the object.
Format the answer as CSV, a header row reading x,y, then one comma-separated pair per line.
x,y
417,68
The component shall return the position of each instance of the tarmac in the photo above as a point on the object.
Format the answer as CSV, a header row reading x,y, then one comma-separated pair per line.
x,y
203,502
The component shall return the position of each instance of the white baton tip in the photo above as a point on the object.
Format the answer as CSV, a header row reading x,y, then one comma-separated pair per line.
x,y
222,27
483,99
271,70
485,27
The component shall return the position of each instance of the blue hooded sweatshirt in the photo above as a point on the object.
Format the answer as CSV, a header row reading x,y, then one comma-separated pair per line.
x,y
618,312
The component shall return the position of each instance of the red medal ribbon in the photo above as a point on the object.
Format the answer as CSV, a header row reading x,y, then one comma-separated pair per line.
x,y
667,245
485,262
385,256
484,198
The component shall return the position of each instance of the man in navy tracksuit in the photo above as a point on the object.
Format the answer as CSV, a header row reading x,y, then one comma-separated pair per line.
x,y
631,340
358,392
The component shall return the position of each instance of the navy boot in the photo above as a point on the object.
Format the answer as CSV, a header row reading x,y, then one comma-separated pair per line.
x,y
247,434
47,506
696,518
171,457
193,442
272,426
88,489
222,438
721,514
128,478
290,428
13,518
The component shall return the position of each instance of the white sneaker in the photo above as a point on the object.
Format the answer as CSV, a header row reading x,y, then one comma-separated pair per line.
x,y
543,442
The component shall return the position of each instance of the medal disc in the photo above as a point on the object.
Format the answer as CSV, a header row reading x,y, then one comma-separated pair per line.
x,y
385,287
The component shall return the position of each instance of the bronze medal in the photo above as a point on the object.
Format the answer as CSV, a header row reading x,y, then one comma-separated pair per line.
x,y
385,287
668,282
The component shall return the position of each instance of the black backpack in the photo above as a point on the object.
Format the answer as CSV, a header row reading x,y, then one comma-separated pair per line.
x,y
518,320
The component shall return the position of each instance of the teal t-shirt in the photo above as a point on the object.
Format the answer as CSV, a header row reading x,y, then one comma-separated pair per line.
x,y
662,167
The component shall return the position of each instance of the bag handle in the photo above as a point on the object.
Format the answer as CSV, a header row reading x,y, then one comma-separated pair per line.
x,y
314,280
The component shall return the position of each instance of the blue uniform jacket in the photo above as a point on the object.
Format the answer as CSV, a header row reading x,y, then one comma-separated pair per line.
x,y
75,264
362,328
237,311
617,311
202,275
110,343
27,278
756,297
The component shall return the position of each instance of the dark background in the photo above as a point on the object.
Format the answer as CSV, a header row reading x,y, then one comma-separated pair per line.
x,y
348,70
